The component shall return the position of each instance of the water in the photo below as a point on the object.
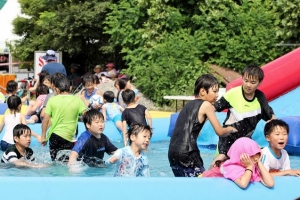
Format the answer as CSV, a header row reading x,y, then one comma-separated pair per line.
x,y
157,154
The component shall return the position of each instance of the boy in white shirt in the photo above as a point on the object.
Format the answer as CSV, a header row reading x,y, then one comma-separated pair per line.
x,y
275,158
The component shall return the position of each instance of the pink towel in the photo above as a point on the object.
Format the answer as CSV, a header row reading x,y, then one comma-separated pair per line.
x,y
232,168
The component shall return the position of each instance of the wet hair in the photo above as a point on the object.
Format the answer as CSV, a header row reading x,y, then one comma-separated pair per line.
x,y
56,76
116,84
136,128
42,76
205,81
123,82
253,71
88,79
11,86
48,78
13,102
128,96
109,96
41,89
63,84
91,115
96,79
270,126
19,130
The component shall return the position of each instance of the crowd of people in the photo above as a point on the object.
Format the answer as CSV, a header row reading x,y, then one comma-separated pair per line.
x,y
239,158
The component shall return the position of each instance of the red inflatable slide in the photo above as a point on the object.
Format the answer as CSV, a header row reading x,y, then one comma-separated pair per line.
x,y
281,76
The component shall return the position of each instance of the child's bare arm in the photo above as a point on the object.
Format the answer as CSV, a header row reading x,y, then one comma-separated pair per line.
x,y
82,97
2,125
113,159
32,108
266,177
124,131
207,109
45,124
72,158
244,180
291,172
104,112
149,118
23,163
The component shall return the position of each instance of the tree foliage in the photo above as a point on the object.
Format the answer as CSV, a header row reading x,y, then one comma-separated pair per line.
x,y
73,27
164,55
164,44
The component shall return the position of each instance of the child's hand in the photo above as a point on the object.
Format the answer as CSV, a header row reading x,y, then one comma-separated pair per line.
x,y
246,160
97,106
41,165
294,172
233,130
43,141
39,139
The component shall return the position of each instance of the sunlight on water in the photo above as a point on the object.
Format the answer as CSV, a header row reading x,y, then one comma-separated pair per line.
x,y
157,154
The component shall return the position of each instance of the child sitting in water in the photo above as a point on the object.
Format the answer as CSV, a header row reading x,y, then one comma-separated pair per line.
x,y
275,158
11,89
92,144
243,166
20,154
131,161
34,109
10,120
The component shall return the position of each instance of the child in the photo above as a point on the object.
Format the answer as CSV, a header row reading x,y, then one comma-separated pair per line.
x,y
246,107
11,89
104,78
131,161
19,153
244,165
53,79
184,155
40,80
88,82
47,82
92,144
275,158
123,84
10,120
133,113
63,109
112,110
35,107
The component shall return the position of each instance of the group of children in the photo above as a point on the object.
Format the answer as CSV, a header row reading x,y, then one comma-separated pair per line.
x,y
240,158
59,112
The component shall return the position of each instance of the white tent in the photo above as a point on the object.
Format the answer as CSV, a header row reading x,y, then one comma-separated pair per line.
x,y
8,13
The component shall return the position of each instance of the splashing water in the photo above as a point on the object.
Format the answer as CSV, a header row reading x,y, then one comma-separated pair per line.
x,y
157,155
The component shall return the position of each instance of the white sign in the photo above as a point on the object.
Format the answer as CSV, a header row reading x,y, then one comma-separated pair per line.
x,y
39,62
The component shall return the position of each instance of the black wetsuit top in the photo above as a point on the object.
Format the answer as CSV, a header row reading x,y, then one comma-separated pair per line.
x,y
183,149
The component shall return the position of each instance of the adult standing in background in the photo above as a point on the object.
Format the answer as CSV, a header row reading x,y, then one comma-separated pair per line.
x,y
110,68
52,65
98,71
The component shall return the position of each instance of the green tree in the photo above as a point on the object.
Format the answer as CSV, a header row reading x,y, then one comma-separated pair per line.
x,y
239,34
163,53
73,27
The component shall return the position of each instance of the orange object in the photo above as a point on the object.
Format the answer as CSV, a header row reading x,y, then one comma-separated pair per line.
x,y
4,78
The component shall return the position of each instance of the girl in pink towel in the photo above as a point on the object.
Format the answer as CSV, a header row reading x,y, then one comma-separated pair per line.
x,y
243,166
